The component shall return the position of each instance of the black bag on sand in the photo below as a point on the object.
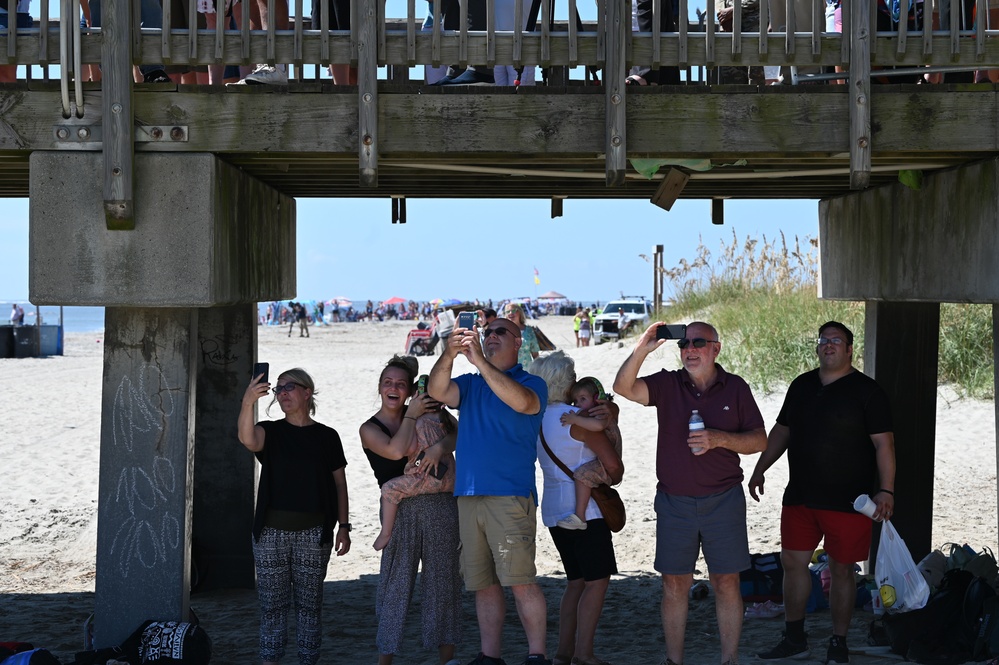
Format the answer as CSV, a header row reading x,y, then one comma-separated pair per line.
x,y
156,643
932,635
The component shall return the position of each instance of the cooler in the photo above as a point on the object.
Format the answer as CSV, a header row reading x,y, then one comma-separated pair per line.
x,y
25,342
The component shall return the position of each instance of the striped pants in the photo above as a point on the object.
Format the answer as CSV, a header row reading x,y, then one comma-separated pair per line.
x,y
291,563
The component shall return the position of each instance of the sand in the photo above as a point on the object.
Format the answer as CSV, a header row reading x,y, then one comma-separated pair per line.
x,y
48,507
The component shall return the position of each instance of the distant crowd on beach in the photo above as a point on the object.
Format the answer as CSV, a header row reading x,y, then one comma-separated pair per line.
x,y
459,500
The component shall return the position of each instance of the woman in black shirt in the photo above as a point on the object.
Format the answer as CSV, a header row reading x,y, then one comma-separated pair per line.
x,y
301,496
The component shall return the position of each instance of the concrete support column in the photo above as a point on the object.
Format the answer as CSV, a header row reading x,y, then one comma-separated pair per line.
x,y
223,470
901,344
147,459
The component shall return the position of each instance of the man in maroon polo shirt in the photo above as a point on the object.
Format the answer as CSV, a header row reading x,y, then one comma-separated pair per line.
x,y
699,500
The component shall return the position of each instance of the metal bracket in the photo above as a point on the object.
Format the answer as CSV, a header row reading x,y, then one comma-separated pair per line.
x,y
91,137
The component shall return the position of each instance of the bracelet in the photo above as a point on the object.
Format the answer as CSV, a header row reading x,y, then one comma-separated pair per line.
x,y
886,491
345,526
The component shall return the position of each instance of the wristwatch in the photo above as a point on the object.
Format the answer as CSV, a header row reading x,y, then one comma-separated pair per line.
x,y
345,526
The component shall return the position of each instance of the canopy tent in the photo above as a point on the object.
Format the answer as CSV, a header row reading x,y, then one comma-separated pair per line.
x,y
552,295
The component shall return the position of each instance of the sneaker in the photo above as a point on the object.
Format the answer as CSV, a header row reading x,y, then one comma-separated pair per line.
x,y
156,76
473,77
536,659
786,649
572,522
451,75
266,75
837,652
482,659
453,661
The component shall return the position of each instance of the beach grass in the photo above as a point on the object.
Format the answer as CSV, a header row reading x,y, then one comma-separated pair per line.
x,y
762,296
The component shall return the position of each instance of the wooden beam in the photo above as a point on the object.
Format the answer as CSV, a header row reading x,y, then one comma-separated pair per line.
x,y
669,189
616,132
116,118
860,91
367,93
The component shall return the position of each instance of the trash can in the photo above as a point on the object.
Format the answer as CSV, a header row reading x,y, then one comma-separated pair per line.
x,y
25,342
6,341
50,340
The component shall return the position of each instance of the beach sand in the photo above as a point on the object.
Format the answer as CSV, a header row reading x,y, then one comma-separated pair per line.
x,y
48,507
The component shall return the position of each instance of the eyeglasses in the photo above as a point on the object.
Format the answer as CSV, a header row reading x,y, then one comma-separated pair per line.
x,y
822,341
697,342
286,388
499,332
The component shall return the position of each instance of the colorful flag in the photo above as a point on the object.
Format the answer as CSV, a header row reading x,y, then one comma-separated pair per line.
x,y
537,280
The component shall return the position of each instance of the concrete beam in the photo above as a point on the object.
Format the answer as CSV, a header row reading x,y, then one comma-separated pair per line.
x,y
147,460
937,244
205,234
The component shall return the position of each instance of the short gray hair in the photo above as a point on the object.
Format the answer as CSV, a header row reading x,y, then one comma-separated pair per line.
x,y
559,373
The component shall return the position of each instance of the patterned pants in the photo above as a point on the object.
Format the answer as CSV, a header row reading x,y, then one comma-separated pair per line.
x,y
291,563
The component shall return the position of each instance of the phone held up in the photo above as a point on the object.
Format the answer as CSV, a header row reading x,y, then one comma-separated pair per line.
x,y
441,466
261,368
671,331
466,320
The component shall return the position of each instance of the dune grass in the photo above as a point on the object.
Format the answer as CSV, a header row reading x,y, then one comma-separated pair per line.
x,y
761,295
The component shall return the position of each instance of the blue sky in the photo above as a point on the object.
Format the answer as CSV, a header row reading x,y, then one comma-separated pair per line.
x,y
483,249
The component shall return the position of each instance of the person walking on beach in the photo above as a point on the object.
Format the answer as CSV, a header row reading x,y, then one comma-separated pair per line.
x,y
502,407
699,502
836,427
301,497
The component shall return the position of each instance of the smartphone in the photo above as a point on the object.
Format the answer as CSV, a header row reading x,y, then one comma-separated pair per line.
x,y
672,331
260,368
441,467
466,320
421,384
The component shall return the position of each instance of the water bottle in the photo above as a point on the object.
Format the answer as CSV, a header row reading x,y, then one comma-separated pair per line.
x,y
695,423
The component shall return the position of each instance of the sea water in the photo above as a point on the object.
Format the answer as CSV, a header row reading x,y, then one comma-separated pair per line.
x,y
74,319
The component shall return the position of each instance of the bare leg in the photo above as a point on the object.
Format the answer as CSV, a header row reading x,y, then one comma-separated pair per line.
x,y
533,615
674,612
797,583
389,511
729,610
385,658
567,620
343,74
591,604
582,498
842,595
445,652
490,606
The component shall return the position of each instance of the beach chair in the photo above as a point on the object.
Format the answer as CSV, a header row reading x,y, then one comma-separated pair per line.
x,y
422,341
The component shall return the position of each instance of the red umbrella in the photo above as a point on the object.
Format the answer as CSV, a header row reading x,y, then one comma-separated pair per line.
x,y
394,301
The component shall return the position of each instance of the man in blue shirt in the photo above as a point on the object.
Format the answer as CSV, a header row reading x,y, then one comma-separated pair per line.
x,y
501,409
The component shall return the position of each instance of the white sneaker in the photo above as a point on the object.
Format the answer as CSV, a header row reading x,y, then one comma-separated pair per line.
x,y
572,522
267,74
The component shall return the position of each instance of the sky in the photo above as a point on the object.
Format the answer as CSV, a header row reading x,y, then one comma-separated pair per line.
x,y
485,249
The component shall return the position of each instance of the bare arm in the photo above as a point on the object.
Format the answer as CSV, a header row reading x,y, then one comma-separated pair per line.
x,y
518,397
342,543
396,446
440,386
250,434
777,443
884,453
586,422
626,383
744,443
601,445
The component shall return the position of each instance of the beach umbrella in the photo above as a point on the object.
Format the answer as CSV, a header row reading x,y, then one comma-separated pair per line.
x,y
394,301
552,295
451,302
344,302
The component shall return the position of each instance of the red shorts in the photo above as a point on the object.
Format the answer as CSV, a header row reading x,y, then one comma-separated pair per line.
x,y
847,535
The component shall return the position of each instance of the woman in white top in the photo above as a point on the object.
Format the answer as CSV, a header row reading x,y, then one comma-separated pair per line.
x,y
587,554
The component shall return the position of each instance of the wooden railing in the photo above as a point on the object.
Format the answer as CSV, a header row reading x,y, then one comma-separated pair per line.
x,y
375,41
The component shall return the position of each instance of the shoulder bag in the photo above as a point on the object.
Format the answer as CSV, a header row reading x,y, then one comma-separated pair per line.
x,y
608,500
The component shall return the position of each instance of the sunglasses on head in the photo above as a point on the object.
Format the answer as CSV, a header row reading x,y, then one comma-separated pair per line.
x,y
499,331
697,342
286,388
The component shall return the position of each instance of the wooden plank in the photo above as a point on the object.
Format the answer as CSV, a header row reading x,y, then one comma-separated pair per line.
x,y
491,29
860,97
615,135
737,27
683,56
367,93
546,33
573,33
670,188
764,22
297,58
903,27
709,48
411,32
116,116
379,15
435,37
657,10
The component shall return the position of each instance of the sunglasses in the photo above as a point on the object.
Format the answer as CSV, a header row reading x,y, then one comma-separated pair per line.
x,y
697,343
286,388
822,341
499,332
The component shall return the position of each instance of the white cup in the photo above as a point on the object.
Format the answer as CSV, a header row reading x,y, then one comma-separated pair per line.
x,y
864,505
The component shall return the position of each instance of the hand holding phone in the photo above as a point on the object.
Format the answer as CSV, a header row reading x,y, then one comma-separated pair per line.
x,y
671,331
466,320
258,369
438,472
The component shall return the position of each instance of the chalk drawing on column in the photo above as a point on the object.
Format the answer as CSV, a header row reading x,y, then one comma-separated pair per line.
x,y
140,415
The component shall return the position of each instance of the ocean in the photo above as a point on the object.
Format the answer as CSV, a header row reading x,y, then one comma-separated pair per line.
x,y
75,319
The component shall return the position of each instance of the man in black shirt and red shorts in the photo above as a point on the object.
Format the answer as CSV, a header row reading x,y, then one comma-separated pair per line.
x,y
836,428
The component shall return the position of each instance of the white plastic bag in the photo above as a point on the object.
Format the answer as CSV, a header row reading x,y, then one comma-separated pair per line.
x,y
902,587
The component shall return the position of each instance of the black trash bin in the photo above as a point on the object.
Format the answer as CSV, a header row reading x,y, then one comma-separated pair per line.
x,y
6,341
25,342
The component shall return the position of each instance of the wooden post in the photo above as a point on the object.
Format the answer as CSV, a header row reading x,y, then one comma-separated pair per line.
x,y
616,150
860,91
116,63
995,378
367,92
657,279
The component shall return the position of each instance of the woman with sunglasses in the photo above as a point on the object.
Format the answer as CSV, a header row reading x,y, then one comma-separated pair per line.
x,y
301,497
425,532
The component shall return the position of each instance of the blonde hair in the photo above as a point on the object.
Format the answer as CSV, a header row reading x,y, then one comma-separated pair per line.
x,y
559,373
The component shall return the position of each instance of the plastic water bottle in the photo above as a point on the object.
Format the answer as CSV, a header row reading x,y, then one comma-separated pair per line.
x,y
695,423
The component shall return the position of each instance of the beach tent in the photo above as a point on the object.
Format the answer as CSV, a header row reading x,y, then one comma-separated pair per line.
x,y
552,295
